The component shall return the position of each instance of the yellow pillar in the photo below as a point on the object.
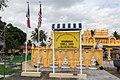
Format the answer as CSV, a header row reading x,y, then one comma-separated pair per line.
x,y
109,56
32,52
87,64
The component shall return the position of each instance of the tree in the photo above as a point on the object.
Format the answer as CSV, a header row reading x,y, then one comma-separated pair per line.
x,y
29,43
3,4
116,35
2,25
14,37
92,33
35,35
43,36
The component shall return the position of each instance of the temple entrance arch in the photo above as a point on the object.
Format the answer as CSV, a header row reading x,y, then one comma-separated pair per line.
x,y
67,44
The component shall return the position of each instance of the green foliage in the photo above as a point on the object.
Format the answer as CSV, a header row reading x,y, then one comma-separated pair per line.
x,y
29,43
43,36
14,37
7,70
35,35
3,4
2,25
16,59
1,78
92,33
19,58
43,44
116,35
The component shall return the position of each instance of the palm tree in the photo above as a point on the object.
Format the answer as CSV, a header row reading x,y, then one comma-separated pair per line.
x,y
35,35
43,36
116,35
29,43
3,4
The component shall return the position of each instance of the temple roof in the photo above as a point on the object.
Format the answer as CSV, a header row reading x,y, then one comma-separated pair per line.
x,y
67,27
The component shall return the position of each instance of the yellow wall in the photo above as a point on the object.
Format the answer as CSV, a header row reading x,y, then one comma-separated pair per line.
x,y
73,57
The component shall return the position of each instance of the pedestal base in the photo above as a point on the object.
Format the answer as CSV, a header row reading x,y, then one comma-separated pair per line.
x,y
68,75
32,74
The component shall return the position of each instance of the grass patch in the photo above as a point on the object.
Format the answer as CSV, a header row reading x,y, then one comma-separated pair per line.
x,y
7,70
13,69
19,58
1,78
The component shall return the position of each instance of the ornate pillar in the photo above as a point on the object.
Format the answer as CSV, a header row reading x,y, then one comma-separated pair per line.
x,y
109,56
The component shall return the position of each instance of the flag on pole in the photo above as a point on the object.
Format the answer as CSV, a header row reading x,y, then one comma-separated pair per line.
x,y
28,16
40,17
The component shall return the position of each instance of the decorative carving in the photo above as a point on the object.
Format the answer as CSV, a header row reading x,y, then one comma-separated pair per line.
x,y
112,41
87,33
91,41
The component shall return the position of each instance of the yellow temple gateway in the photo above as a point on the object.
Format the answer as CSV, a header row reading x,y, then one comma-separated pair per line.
x,y
74,51
100,36
88,44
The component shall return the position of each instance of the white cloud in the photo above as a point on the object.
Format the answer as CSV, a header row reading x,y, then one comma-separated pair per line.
x,y
94,14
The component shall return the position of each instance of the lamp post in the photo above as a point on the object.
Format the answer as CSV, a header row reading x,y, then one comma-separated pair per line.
x,y
4,47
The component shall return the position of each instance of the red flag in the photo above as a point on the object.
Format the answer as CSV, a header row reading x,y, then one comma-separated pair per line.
x,y
28,16
40,17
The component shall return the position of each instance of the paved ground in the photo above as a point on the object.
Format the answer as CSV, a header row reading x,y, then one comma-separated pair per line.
x,y
91,75
108,66
113,71
110,73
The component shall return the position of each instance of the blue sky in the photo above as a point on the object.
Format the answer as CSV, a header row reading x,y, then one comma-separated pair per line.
x,y
93,14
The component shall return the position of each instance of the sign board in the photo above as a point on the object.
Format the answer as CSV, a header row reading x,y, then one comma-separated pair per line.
x,y
67,40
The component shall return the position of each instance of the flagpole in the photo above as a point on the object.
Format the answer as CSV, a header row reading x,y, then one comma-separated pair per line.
x,y
26,49
26,40
39,25
38,50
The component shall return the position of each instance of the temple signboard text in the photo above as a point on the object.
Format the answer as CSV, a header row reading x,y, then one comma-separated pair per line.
x,y
66,40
